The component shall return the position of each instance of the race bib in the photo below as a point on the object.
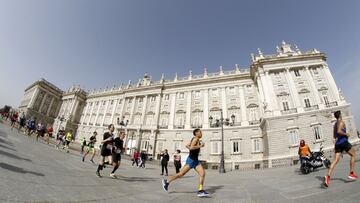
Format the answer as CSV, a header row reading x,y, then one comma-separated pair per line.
x,y
118,151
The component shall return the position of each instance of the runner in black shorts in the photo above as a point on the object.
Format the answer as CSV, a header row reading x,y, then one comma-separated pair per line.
x,y
341,144
91,146
107,145
116,154
191,162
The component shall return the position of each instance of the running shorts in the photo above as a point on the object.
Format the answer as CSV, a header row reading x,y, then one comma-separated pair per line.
x,y
192,163
116,157
345,146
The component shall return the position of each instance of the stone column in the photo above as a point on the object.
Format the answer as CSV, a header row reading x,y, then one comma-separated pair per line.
x,y
157,110
330,79
85,112
106,109
272,94
142,121
224,102
313,88
97,112
265,92
132,110
122,108
293,92
91,113
33,98
206,109
244,120
188,110
172,111
113,111
50,105
42,102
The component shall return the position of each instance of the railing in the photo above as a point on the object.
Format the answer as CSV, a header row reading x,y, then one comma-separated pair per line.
x,y
179,126
331,104
311,108
196,126
289,111
163,126
254,122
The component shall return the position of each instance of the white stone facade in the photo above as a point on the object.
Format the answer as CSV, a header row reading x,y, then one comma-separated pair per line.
x,y
280,99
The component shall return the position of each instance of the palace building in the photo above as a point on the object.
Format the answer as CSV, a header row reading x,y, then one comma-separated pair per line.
x,y
267,108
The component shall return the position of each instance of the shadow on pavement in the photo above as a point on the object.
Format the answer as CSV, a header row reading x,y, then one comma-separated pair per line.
x,y
136,179
6,147
6,142
18,170
13,156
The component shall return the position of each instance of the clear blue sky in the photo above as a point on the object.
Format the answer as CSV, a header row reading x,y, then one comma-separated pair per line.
x,y
101,43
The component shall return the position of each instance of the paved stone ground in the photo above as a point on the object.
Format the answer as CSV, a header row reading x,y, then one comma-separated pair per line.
x,y
32,171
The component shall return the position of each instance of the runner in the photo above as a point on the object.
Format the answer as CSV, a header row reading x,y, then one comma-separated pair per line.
x,y
116,154
68,139
106,149
13,119
60,137
49,134
341,144
22,121
91,147
31,126
40,130
83,144
191,162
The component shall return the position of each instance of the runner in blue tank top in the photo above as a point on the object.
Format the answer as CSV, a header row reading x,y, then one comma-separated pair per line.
x,y
191,162
341,144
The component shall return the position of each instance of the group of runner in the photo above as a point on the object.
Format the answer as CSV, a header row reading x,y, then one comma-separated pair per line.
x,y
112,147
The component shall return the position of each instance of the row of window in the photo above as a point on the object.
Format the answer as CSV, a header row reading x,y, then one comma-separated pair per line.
x,y
307,103
294,135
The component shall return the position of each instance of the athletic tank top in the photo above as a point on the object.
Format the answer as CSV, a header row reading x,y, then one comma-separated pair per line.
x,y
340,138
194,154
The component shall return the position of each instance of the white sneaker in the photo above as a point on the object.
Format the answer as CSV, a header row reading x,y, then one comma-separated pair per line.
x,y
113,175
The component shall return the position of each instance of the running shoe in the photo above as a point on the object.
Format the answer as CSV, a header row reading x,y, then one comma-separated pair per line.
x,y
112,175
352,176
165,185
92,161
202,193
327,181
98,174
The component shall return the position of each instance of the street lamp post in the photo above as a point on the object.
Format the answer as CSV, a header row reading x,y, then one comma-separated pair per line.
x,y
123,124
218,124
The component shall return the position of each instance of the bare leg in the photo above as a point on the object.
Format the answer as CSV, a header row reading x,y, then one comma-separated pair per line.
x,y
182,172
352,160
333,164
200,170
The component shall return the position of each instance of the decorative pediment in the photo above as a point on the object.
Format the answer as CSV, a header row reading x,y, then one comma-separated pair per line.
x,y
150,113
215,109
323,88
180,111
138,113
126,113
233,108
108,114
197,110
165,112
281,94
252,105
303,91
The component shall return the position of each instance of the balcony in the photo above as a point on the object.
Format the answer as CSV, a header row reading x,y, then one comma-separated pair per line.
x,y
179,126
163,126
288,111
331,104
254,122
196,126
311,108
